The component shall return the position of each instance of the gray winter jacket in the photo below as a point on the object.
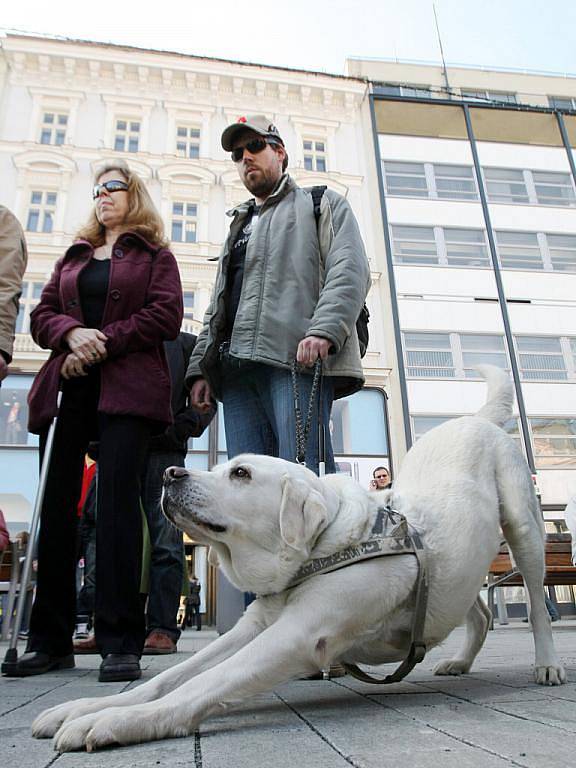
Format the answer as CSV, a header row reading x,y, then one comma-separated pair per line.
x,y
299,280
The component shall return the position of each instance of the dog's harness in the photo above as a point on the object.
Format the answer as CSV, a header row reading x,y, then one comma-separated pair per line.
x,y
391,535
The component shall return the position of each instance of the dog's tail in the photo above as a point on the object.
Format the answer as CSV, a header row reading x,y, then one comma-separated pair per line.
x,y
498,408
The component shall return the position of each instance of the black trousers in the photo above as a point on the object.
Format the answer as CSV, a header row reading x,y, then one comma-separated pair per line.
x,y
119,614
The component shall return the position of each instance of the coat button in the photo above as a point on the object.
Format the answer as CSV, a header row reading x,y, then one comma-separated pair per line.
x,y
119,253
72,303
115,294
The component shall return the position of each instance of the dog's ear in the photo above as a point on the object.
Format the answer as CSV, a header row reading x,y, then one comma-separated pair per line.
x,y
302,513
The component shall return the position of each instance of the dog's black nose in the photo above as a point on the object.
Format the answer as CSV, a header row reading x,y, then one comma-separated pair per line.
x,y
174,474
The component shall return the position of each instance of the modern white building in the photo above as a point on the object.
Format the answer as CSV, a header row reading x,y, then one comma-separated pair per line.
x,y
477,182
66,107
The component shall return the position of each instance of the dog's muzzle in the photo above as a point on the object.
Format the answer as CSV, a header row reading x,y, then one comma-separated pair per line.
x,y
174,475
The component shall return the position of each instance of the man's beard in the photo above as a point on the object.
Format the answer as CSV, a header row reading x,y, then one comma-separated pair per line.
x,y
260,185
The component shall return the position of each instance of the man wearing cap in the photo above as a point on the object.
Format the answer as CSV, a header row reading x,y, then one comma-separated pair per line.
x,y
288,287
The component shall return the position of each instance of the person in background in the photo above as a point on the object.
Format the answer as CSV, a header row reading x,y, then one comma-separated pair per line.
x,y
380,479
193,606
13,260
111,302
167,546
4,535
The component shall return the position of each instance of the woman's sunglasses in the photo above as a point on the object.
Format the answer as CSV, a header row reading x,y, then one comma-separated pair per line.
x,y
253,146
110,186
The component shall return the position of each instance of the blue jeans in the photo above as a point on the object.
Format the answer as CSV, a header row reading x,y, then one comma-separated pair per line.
x,y
167,545
259,414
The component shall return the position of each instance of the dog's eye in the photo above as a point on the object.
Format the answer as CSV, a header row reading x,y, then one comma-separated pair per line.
x,y
240,472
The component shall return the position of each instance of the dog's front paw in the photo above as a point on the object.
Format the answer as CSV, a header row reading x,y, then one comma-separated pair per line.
x,y
451,667
553,674
49,721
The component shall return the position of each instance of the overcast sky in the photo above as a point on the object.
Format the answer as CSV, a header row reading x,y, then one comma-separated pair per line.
x,y
321,34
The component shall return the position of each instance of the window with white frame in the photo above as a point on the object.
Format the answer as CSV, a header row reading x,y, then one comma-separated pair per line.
x,y
188,300
314,155
428,355
184,222
31,291
519,250
41,211
562,102
466,247
479,349
573,351
414,245
506,97
405,179
562,249
554,188
541,358
53,130
188,141
127,135
505,185
554,442
455,182
422,91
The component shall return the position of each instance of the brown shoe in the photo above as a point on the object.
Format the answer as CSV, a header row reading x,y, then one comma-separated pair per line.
x,y
158,642
86,646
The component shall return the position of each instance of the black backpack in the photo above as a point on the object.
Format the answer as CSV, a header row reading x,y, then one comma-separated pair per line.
x,y
364,316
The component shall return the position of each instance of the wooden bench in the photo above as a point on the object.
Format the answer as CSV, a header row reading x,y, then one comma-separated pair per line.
x,y
559,568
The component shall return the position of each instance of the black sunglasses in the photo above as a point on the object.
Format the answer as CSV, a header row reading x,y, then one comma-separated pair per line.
x,y
115,185
253,146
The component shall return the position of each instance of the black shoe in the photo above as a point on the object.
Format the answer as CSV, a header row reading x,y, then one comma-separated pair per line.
x,y
118,667
37,663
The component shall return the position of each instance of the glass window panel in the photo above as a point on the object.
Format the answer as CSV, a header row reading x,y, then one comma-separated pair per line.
x,y
466,247
178,209
472,341
177,231
181,131
33,219
194,152
20,318
14,411
319,146
119,144
181,148
133,144
554,188
45,136
554,441
308,163
541,358
36,198
538,344
428,355
47,224
121,125
390,90
320,164
455,182
195,133
62,119
37,290
191,209
190,232
358,424
561,102
414,245
481,349
60,136
508,98
188,299
308,145
519,250
423,424
505,185
562,252
51,198
406,179
49,117
135,127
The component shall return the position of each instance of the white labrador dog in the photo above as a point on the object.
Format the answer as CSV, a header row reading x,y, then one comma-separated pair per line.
x,y
460,486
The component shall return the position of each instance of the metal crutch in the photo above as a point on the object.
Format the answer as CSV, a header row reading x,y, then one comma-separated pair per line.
x,y
11,657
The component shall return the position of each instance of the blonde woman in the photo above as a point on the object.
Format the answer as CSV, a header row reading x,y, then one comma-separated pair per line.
x,y
111,302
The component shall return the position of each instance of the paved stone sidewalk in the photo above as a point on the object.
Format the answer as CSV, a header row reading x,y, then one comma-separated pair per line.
x,y
492,718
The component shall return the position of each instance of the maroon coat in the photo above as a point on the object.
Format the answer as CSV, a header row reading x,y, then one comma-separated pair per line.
x,y
143,309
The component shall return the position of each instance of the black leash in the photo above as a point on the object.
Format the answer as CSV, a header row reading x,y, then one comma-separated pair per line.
x,y
303,430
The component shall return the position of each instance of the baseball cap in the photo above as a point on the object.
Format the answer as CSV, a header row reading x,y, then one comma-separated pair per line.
x,y
257,123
